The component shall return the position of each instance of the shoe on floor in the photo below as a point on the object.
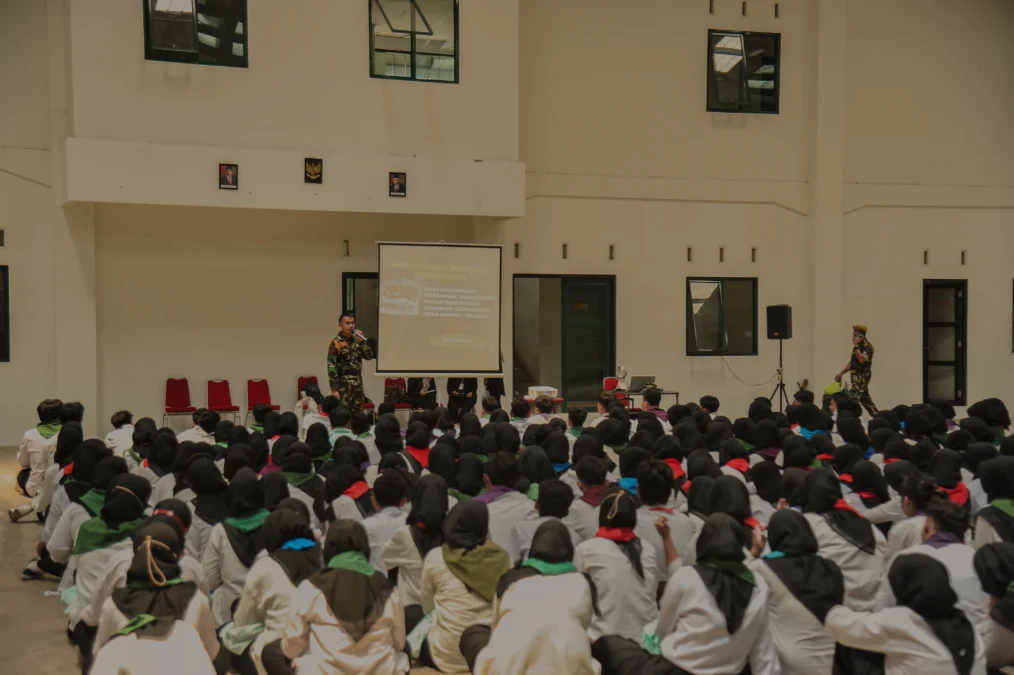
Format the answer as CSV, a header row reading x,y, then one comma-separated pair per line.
x,y
14,515
32,571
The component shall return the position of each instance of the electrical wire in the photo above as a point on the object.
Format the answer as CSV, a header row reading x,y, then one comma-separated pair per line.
x,y
761,384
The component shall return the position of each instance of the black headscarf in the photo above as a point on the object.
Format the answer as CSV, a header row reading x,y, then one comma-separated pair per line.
x,y
126,499
288,424
246,498
689,437
470,426
816,582
700,463
281,448
272,422
298,470
978,428
105,472
162,455
153,588
923,584
767,479
823,497
468,477
387,434
869,484
342,479
699,496
895,473
845,457
210,487
426,519
316,438
796,453
618,510
70,437
87,457
851,431
766,435
557,449
998,482
730,496
258,443
237,457
188,454
141,438
945,467
716,433
286,526
976,454
794,486
275,488
994,565
442,463
550,544
535,465
356,597
720,565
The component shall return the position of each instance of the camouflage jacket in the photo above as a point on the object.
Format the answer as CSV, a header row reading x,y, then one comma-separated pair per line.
x,y
345,358
867,367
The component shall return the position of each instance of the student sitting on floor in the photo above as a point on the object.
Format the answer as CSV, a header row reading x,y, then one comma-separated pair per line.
x,y
210,505
917,492
360,427
583,515
506,505
554,502
521,410
996,520
654,484
35,454
304,483
203,429
156,596
994,565
141,437
346,618
388,500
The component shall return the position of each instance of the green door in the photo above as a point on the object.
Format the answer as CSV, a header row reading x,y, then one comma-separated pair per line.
x,y
589,341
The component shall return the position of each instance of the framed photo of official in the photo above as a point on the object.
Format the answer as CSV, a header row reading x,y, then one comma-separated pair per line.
x,y
396,184
228,176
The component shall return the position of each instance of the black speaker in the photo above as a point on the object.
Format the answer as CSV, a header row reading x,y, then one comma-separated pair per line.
x,y
779,322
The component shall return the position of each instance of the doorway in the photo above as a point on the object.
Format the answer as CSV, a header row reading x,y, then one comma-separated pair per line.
x,y
564,334
944,339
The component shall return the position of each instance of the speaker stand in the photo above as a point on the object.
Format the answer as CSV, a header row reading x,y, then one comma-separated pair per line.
x,y
779,390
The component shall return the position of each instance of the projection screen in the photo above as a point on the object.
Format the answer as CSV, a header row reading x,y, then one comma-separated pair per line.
x,y
439,309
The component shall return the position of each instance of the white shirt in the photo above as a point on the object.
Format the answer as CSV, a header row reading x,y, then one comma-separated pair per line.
x,y
380,528
401,552
197,614
862,571
180,652
504,512
523,533
692,631
626,601
890,512
225,573
904,534
36,453
92,568
195,435
908,643
681,531
120,440
313,418
454,609
583,518
162,489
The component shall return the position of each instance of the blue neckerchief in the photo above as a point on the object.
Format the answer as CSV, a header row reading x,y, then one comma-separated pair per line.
x,y
775,554
869,452
902,425
300,544
629,484
560,468
807,434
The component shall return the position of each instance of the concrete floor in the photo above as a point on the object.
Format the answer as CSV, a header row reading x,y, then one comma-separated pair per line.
x,y
33,623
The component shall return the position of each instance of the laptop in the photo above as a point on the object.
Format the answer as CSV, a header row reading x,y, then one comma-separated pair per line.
x,y
638,383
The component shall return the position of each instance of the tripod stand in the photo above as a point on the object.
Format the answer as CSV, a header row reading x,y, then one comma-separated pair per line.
x,y
783,398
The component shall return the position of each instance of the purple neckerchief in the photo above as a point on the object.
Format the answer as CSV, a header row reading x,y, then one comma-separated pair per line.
x,y
941,539
659,413
270,468
951,424
493,493
770,453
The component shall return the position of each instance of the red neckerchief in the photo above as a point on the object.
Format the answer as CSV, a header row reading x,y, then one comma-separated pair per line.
x,y
663,509
867,495
843,505
794,426
891,460
677,468
739,464
171,514
593,495
145,463
357,490
845,477
826,457
69,469
623,534
686,488
275,437
957,494
421,455
752,522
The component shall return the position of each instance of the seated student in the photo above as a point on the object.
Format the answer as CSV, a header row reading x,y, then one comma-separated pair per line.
x,y
304,483
321,450
156,596
558,452
260,413
339,420
85,503
160,460
544,405
388,498
891,512
553,503
178,651
654,484
651,398
34,453
713,615
622,568
141,437
994,565
322,416
541,614
173,484
459,584
360,427
766,479
803,588
234,544
845,538
917,492
974,456
926,633
506,505
292,555
417,446
576,418
943,539
120,438
210,505
996,520
98,540
709,404
583,515
520,412
345,618
614,434
535,465
200,432
489,404
607,399
404,552
347,496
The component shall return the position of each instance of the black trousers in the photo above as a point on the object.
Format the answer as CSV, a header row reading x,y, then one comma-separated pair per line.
x,y
22,478
458,405
413,615
274,660
84,638
473,641
620,656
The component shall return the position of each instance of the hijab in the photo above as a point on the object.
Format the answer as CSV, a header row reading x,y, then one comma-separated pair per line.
x,y
535,468
796,453
816,582
67,441
210,487
469,553
699,497
275,487
155,595
291,543
162,456
895,473
244,526
258,456
558,451
316,438
869,484
824,498
442,462
880,438
945,467
923,584
355,592
468,476
346,481
730,496
105,471
387,434
298,470
141,438
470,426
994,565
845,458
617,520
187,454
976,454
851,431
700,464
794,486
123,511
720,566
87,457
237,457
429,507
767,440
417,445
281,448
288,424
767,479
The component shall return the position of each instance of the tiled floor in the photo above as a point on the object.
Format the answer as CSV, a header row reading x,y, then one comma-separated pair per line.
x,y
32,623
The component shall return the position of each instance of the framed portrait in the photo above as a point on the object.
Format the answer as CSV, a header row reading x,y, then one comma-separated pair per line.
x,y
396,185
313,170
228,176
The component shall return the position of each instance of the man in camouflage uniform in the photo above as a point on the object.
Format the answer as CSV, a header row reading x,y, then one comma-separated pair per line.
x,y
345,358
861,367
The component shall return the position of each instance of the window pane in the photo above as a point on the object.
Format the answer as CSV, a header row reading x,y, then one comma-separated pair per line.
x,y
721,316
435,54
706,305
367,301
941,343
941,382
737,297
414,39
743,72
941,304
172,25
728,56
211,32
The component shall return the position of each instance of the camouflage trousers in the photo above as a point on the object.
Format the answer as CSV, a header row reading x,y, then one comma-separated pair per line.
x,y
859,390
351,394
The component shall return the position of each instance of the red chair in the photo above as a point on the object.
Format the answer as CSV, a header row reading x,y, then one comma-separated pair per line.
x,y
302,382
220,398
613,384
397,383
177,399
257,391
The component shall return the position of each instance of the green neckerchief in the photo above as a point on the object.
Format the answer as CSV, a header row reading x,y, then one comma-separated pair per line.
x,y
479,568
365,434
223,444
999,433
257,427
326,457
1010,588
617,448
549,569
1005,505
342,431
746,446
575,431
484,458
134,456
485,417
137,623
94,534
736,569
249,523
817,464
94,500
148,585
519,419
296,479
353,561
533,492
457,494
49,429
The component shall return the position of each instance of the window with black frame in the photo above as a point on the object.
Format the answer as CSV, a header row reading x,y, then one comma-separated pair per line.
x,y
207,32
361,296
722,316
414,40
5,314
743,71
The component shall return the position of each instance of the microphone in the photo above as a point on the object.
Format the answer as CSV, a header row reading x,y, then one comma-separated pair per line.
x,y
359,334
